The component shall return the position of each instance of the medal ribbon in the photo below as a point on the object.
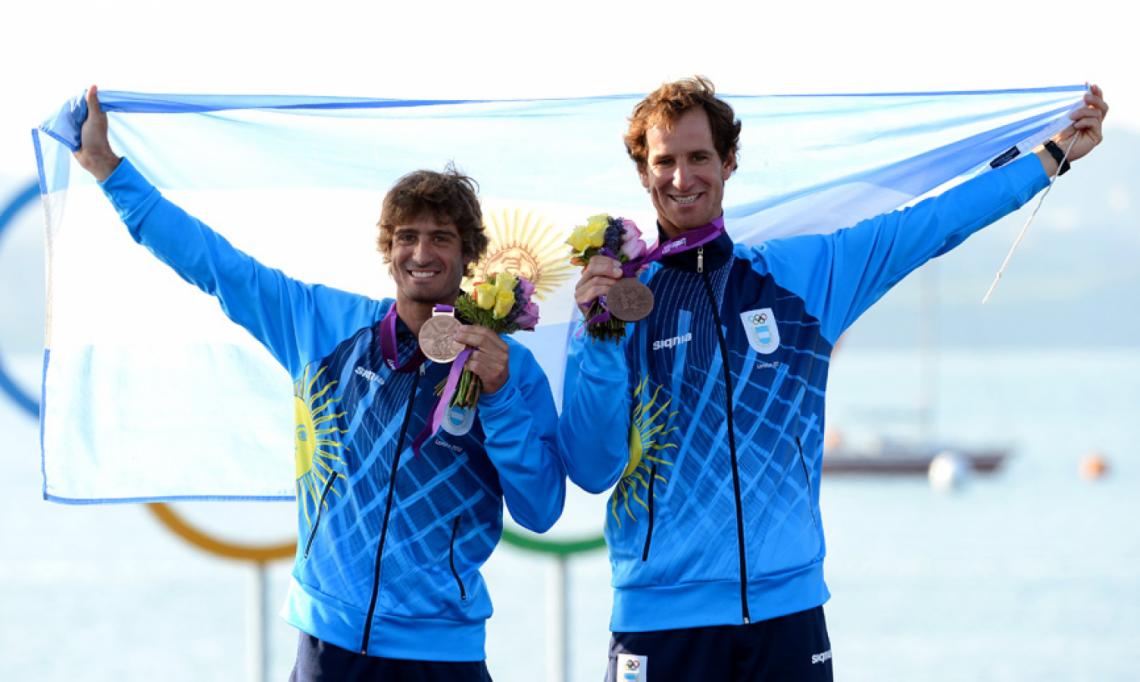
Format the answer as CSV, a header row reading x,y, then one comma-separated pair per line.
x,y
388,346
688,241
448,390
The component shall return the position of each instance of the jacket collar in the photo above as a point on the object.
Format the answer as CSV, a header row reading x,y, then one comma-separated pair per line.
x,y
716,253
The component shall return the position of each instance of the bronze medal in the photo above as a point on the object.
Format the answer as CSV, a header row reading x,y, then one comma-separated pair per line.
x,y
437,338
629,300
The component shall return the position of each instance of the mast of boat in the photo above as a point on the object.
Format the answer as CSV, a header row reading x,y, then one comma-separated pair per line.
x,y
927,351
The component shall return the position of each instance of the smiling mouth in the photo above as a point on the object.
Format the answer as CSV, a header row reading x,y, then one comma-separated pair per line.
x,y
422,274
685,199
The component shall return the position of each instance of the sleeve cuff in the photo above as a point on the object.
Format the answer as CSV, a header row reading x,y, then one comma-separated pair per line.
x,y
1029,171
499,402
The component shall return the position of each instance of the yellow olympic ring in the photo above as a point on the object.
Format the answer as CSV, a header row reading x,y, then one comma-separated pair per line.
x,y
228,550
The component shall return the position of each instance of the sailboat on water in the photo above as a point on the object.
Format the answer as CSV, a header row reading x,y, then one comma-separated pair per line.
x,y
893,455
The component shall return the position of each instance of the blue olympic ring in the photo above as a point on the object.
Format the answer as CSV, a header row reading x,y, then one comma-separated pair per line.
x,y
7,386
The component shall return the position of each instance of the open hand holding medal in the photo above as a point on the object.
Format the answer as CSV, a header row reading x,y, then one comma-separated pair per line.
x,y
609,304
627,300
501,305
437,335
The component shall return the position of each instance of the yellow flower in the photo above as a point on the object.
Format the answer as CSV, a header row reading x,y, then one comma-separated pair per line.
x,y
485,295
592,234
504,301
578,240
505,281
598,222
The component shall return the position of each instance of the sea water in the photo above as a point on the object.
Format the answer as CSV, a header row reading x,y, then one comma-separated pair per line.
x,y
1028,574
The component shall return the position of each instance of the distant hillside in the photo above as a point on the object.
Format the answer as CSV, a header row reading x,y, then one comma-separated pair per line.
x,y
1074,281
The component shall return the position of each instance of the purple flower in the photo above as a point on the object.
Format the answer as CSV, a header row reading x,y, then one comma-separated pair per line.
x,y
528,316
526,288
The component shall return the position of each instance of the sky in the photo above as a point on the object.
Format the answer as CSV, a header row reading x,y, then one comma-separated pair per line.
x,y
507,49
524,49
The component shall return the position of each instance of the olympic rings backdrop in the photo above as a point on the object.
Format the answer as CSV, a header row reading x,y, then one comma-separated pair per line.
x,y
27,402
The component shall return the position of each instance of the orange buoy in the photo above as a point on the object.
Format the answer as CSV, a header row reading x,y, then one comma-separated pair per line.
x,y
1093,466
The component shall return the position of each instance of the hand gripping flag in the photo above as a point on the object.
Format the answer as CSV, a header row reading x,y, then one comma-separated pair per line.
x,y
150,393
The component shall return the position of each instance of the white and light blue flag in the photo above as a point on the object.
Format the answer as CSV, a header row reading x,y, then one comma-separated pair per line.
x,y
150,393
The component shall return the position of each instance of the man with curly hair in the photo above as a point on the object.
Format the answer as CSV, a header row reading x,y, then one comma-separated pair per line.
x,y
718,556
386,583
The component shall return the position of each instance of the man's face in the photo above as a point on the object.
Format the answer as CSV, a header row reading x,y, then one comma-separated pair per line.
x,y
427,261
684,174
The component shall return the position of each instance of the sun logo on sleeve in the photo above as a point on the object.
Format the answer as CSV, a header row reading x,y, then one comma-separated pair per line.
x,y
317,447
647,438
527,245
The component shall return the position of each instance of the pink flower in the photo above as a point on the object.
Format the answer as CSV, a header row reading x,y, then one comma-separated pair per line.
x,y
632,246
528,316
630,230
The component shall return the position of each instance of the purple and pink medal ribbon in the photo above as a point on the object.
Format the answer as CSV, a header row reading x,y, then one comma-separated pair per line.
x,y
448,390
389,349
688,241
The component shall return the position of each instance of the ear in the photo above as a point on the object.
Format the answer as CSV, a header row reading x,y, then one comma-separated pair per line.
x,y
643,173
729,166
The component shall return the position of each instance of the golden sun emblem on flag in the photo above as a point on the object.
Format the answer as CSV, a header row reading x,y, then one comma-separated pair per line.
x,y
524,244
316,446
646,433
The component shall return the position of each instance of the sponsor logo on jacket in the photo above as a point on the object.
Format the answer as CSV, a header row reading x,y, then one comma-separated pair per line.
x,y
661,344
368,374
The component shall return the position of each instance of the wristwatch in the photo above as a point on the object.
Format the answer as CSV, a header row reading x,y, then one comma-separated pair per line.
x,y
1059,156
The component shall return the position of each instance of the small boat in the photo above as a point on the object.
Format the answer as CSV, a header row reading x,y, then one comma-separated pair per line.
x,y
891,455
902,457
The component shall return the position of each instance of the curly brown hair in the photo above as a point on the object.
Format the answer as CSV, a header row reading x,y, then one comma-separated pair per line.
x,y
448,197
665,105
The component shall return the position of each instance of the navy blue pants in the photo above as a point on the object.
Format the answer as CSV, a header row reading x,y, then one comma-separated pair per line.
x,y
789,648
319,661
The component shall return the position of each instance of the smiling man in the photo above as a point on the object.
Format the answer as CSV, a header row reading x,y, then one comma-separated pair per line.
x,y
716,445
386,584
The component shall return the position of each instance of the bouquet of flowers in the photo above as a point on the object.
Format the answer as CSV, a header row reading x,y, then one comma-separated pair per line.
x,y
502,305
617,238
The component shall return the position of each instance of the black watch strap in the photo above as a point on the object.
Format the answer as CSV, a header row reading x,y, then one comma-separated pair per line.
x,y
1059,156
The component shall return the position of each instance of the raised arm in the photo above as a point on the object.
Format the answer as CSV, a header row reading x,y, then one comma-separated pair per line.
x,y
285,315
840,275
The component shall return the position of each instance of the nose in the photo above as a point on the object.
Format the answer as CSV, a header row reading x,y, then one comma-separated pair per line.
x,y
681,175
422,253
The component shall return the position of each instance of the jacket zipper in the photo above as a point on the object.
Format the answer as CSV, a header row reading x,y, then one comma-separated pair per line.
x,y
649,530
320,504
731,438
451,560
388,512
807,479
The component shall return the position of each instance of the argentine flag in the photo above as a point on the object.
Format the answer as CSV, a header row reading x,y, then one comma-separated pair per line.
x,y
150,393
